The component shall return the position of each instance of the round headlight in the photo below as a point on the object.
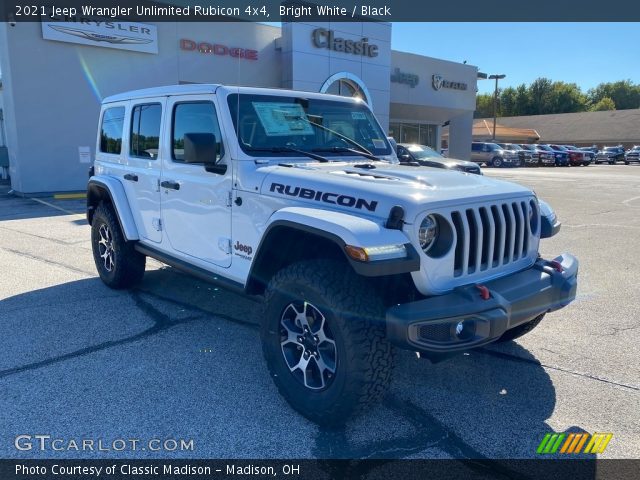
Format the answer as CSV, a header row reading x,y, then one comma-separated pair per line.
x,y
428,233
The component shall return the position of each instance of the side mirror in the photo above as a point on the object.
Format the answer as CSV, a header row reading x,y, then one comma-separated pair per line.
x,y
405,157
203,148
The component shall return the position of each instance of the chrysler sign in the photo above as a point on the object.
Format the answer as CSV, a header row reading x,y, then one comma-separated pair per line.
x,y
138,37
438,82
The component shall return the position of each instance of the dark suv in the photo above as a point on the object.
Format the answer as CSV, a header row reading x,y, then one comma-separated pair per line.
x,y
610,155
525,156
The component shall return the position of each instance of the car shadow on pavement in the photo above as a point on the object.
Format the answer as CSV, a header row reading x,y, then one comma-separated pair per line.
x,y
484,404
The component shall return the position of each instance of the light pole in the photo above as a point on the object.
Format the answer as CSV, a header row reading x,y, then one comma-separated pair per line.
x,y
495,101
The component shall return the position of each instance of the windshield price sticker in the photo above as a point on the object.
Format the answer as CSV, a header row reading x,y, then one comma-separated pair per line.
x,y
358,116
378,143
281,119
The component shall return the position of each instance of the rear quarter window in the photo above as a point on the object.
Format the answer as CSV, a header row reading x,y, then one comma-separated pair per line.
x,y
111,126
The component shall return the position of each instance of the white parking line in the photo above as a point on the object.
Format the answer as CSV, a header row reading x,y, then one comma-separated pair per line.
x,y
54,206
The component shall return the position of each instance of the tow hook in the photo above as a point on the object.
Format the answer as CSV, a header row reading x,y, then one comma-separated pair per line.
x,y
557,266
485,294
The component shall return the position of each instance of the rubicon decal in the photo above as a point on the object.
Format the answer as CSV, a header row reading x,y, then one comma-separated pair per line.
x,y
326,197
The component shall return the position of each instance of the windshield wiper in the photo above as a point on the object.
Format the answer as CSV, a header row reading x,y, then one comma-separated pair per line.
x,y
319,158
365,153
351,141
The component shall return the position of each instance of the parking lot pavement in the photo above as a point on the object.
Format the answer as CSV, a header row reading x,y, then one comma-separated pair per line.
x,y
180,359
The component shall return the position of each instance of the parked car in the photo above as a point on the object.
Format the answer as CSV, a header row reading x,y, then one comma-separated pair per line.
x,y
493,155
411,153
576,157
524,155
589,155
561,157
632,155
348,252
611,155
542,157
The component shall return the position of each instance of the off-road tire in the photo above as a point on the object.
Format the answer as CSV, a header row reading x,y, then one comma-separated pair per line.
x,y
354,314
520,330
127,267
626,163
611,163
496,162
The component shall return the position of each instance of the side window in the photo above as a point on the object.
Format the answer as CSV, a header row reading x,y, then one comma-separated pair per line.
x,y
193,117
111,130
145,131
475,147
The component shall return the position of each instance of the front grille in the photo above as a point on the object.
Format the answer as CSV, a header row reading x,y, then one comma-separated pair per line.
x,y
490,236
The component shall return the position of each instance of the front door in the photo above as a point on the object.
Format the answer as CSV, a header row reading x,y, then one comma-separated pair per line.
x,y
196,206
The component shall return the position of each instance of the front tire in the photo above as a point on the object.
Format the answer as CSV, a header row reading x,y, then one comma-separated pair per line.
x,y
118,263
520,330
324,342
496,162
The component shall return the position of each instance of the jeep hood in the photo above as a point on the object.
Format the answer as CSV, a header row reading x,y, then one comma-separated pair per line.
x,y
374,188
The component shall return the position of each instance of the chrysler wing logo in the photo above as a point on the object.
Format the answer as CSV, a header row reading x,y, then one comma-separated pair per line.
x,y
437,80
97,37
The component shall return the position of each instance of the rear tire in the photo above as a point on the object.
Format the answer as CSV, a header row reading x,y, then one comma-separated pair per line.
x,y
520,330
321,317
118,263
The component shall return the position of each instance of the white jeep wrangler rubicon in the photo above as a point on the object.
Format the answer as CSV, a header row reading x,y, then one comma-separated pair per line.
x,y
298,197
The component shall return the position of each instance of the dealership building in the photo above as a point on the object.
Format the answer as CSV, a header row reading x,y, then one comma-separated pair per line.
x,y
55,74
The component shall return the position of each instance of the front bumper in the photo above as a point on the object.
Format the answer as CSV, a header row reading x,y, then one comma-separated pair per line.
x,y
463,319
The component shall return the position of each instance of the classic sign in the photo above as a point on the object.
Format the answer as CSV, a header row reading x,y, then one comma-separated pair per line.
x,y
323,38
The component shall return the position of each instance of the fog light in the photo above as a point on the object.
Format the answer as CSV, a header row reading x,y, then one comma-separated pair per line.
x,y
465,329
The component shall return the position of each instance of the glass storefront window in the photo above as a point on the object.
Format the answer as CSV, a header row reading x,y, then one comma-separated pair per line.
x,y
421,133
346,88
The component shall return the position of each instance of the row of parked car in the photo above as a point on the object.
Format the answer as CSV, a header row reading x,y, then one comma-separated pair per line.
x,y
551,155
513,155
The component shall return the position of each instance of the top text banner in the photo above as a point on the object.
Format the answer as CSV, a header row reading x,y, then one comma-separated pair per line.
x,y
14,11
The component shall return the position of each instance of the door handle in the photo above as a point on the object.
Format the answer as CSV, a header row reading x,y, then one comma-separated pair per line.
x,y
131,177
170,184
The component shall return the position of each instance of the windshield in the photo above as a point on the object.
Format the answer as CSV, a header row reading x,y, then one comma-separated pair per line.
x,y
513,146
545,148
268,123
610,149
422,151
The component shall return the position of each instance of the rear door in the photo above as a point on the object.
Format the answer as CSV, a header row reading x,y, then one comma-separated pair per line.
x,y
141,177
196,204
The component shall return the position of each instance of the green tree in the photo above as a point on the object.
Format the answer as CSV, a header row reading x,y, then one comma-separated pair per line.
x,y
566,98
624,93
484,105
507,102
522,101
605,103
540,94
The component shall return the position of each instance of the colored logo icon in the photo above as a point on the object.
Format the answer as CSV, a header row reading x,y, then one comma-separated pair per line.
x,y
574,443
